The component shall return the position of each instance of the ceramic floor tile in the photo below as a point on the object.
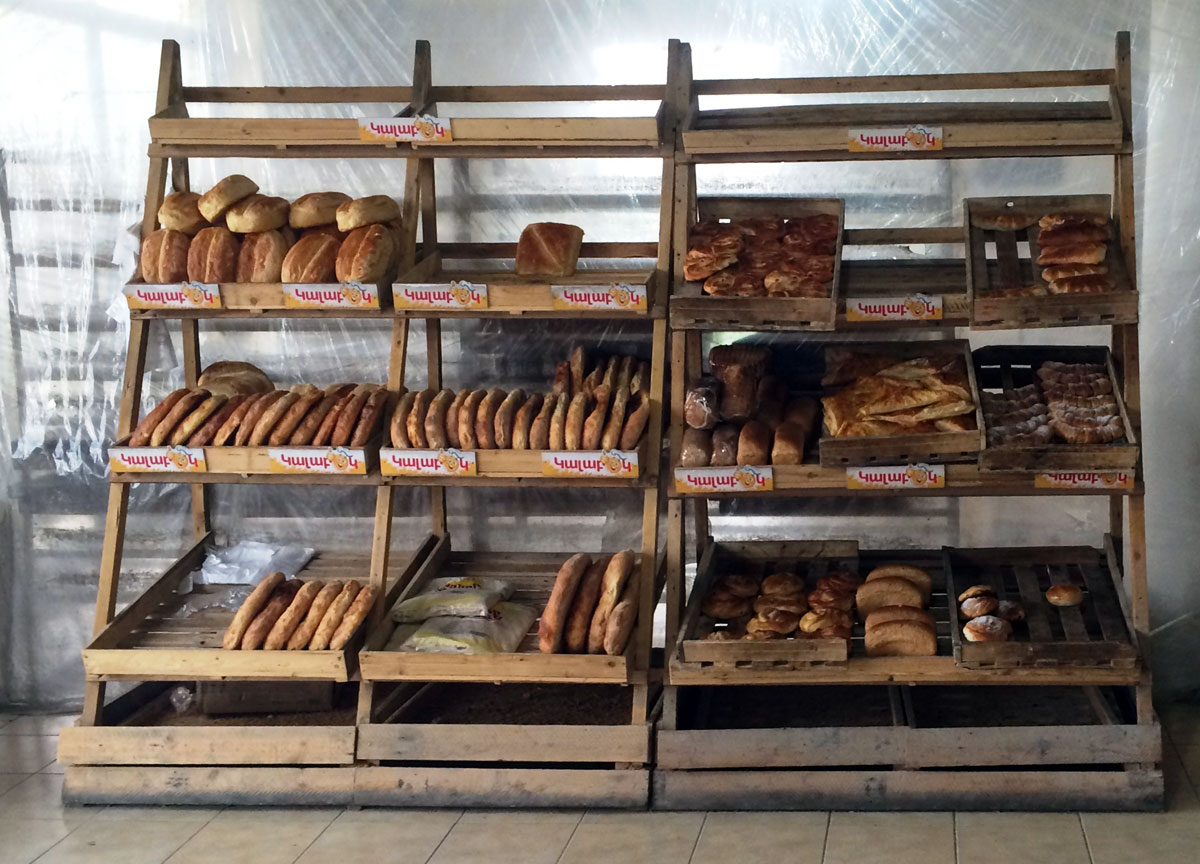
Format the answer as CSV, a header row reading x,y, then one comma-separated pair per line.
x,y
381,837
40,797
1018,838
118,841
1122,838
798,838
38,724
898,838
254,836
527,837
22,840
7,781
621,838
197,816
5,719
24,754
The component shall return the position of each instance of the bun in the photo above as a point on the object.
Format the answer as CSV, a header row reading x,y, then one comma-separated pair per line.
x,y
316,208
1064,595
723,606
738,584
213,256
887,591
312,259
180,211
977,591
898,638
257,213
987,628
782,583
915,575
165,257
775,619
365,255
1011,611
261,257
217,200
822,599
366,211
548,249
233,377
976,607
793,603
816,622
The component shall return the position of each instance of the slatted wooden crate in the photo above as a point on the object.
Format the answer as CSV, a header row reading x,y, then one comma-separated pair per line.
x,y
1098,633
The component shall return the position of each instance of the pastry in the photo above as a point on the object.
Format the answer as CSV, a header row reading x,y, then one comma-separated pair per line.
x,y
548,249
987,628
841,580
227,192
315,209
816,621
1053,220
974,607
887,591
977,591
180,211
822,599
776,619
313,259
365,255
1092,284
898,638
616,575
782,583
256,213
164,258
1063,235
1064,595
739,585
366,211
1072,253
793,603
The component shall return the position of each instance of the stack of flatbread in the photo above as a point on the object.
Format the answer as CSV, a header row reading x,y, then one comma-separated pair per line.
x,y
875,394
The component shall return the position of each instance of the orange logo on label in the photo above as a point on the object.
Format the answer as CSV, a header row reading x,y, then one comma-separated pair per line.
x,y
447,295
423,129
297,295
1084,480
428,463
312,460
605,463
916,307
915,137
917,476
187,295
742,478
176,458
620,296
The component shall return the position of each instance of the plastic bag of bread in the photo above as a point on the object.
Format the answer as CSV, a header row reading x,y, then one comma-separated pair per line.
x,y
458,598
700,405
500,632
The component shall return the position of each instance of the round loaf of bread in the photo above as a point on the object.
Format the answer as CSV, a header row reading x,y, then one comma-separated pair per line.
x,y
1064,595
312,259
212,256
316,208
165,257
887,591
901,639
974,607
231,377
366,211
180,211
915,575
793,603
330,230
977,591
724,606
366,254
257,213
783,583
987,628
224,195
884,614
261,257
738,584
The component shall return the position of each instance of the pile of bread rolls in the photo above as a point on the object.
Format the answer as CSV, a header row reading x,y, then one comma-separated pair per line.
x,y
231,233
236,404
606,409
891,604
742,414
592,606
294,615
781,607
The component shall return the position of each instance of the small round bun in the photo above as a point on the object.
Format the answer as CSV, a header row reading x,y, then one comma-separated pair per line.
x,y
1011,611
1064,595
987,628
783,583
738,584
784,602
977,591
815,621
827,598
224,195
722,605
778,620
841,580
975,607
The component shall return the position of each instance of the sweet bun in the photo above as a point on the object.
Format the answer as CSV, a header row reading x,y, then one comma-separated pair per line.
x,y
887,591
234,377
975,607
366,211
316,208
915,575
312,259
977,591
724,606
1064,595
783,583
987,628
827,598
738,584
261,257
832,619
212,256
793,603
180,211
901,639
365,255
224,195
257,213
165,257
779,620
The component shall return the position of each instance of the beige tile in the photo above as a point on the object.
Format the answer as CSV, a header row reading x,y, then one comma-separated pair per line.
x,y
621,838
1018,838
22,840
898,838
519,837
5,719
24,754
40,797
38,724
372,814
102,841
197,816
381,837
1126,838
7,781
798,838
254,836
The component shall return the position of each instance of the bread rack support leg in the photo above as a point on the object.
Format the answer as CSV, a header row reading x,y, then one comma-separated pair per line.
x,y
191,372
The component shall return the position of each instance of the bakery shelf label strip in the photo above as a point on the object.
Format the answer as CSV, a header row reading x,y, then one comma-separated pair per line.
x,y
608,464
915,307
1084,480
145,459
427,463
317,460
895,138
422,129
878,477
617,297
740,478
185,295
440,295
346,295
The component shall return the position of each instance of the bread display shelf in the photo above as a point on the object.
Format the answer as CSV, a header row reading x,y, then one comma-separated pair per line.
x,y
1011,366
1010,270
430,289
1095,634
175,464
269,299
692,309
488,467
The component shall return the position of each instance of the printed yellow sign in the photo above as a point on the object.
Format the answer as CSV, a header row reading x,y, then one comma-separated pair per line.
x,y
916,307
618,297
891,139
444,295
919,476
1113,480
423,129
314,460
603,463
427,463
741,478
186,295
347,295
176,458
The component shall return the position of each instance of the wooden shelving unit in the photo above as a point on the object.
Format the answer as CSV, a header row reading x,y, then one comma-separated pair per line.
x,y
1104,756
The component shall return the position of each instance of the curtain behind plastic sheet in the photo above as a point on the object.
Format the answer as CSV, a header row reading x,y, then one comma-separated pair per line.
x,y
74,162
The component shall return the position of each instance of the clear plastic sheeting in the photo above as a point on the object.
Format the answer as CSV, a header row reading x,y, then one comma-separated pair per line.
x,y
81,83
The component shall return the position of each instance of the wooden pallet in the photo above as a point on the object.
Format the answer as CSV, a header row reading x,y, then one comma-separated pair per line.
x,y
1012,267
1096,634
691,308
1008,366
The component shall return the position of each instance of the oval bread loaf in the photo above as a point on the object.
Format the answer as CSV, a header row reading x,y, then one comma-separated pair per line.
x,y
333,617
179,410
312,619
399,424
250,608
485,419
615,576
293,616
554,616
416,418
141,434
260,628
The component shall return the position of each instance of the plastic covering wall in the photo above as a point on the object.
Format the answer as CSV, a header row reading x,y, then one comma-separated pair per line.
x,y
79,83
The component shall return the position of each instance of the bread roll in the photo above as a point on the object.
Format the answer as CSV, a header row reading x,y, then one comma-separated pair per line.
x,y
195,419
1064,595
622,619
293,616
399,424
739,585
366,211
724,606
333,617
754,444
548,249
887,591
583,607
573,423
256,213
180,211
250,608
466,419
260,628
312,259
213,256
366,255
523,421
977,591
987,628
485,419
312,618
230,377
554,616
185,406
615,576
915,575
637,415
788,446
140,436
898,638
216,201
315,209
165,257
782,583
696,448
358,611
539,431
261,257
974,607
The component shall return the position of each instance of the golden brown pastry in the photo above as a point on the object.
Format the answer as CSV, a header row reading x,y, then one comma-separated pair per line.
x,y
1097,283
548,249
165,257
261,257
723,606
793,603
365,255
987,628
1072,253
778,620
213,256
782,583
316,209
1066,271
1064,595
977,591
1064,235
312,259
180,211
823,599
257,213
366,211
225,194
841,580
828,619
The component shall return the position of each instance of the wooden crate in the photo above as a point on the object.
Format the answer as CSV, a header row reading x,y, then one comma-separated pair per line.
x,y
691,308
1010,269
268,299
172,463
1009,366
1096,634
909,449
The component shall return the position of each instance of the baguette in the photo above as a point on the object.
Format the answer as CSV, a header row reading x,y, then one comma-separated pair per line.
x,y
554,616
558,423
368,420
332,619
250,608
188,425
416,417
609,378
620,622
485,419
250,420
615,577
233,422
293,616
573,428
466,419
591,382
206,433
312,619
141,435
584,605
312,421
282,597
616,418
329,424
576,362
562,378
505,417
523,422
452,417
624,372
435,420
539,430
636,417
185,406
354,616
270,418
640,383
349,417
400,421
593,427
288,423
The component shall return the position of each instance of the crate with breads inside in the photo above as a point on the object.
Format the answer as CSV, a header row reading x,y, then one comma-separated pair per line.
x,y
760,263
590,425
1046,261
1053,408
237,421
237,249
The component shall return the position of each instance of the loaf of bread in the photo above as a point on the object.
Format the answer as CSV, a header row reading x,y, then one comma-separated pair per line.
x,y
637,415
293,616
739,393
229,377
616,574
257,213
196,418
332,619
213,256
366,211
366,254
696,449
248,611
583,607
261,257
165,257
312,618
216,201
621,619
180,211
884,614
754,444
552,625
355,615
700,405
915,575
185,406
898,638
436,424
312,259
788,445
887,591
207,432
724,445
539,430
316,209
260,628
548,249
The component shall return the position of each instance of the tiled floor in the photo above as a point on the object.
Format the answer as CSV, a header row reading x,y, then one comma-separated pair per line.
x,y
34,826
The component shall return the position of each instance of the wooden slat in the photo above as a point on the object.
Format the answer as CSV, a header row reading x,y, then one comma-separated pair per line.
x,y
1008,264
215,745
1108,613
901,83
504,787
442,742
1034,603
207,786
858,114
